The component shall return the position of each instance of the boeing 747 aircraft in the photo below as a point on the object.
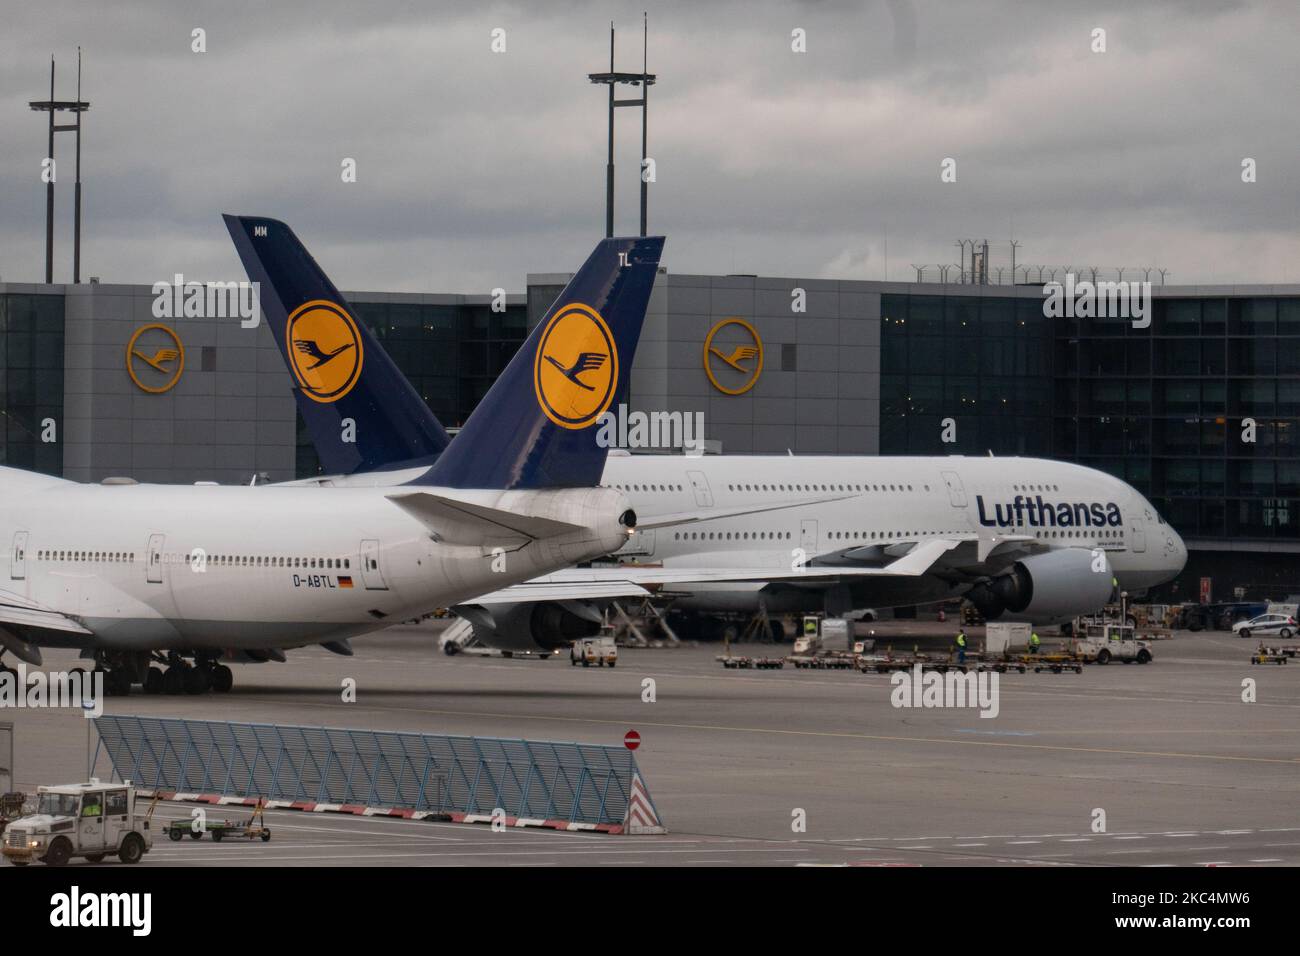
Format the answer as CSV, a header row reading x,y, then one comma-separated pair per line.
x,y
136,574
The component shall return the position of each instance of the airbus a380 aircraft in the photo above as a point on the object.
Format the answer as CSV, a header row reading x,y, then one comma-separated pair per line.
x,y
1020,537
139,573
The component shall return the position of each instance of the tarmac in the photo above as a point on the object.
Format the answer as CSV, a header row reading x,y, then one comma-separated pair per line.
x,y
1185,771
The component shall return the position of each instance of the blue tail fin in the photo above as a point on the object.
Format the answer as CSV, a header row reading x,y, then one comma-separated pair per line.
x,y
536,427
340,372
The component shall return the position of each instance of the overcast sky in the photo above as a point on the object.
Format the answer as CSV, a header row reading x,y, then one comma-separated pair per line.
x,y
475,168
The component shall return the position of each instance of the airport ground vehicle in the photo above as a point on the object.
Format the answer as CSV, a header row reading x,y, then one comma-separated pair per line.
x,y
594,650
254,828
90,819
11,808
1106,642
1221,616
1283,625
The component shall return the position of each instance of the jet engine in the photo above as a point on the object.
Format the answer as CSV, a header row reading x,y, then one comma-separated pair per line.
x,y
539,626
1053,586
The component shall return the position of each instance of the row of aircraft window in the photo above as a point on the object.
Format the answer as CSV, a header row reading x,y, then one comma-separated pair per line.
x,y
849,487
832,487
219,560
782,487
869,535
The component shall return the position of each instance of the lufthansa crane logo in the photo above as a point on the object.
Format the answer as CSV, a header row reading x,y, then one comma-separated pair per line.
x,y
324,349
155,359
733,356
575,370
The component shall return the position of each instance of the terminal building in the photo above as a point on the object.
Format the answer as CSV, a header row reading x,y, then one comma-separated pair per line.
x,y
1200,410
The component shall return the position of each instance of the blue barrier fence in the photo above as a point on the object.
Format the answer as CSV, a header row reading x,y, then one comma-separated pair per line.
x,y
573,782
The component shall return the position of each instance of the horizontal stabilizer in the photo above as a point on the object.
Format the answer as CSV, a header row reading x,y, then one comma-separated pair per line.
x,y
463,522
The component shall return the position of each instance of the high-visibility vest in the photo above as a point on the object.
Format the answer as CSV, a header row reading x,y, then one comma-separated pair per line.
x,y
961,640
1033,639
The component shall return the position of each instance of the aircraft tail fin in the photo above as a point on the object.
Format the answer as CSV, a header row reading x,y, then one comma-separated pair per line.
x,y
537,426
362,413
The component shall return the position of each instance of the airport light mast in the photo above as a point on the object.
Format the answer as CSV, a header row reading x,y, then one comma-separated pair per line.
x,y
77,107
611,79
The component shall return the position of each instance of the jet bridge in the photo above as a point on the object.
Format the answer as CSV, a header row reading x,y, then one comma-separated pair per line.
x,y
556,784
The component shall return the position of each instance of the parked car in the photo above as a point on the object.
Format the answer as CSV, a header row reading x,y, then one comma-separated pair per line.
x,y
1283,625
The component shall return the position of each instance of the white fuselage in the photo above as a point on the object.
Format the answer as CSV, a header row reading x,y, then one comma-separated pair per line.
x,y
845,502
203,567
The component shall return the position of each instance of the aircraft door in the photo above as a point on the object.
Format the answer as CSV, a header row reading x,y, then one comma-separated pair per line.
x,y
90,822
371,573
808,537
700,485
154,557
956,490
18,560
1138,536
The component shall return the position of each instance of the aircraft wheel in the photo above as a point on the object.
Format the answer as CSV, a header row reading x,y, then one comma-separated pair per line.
x,y
223,678
174,679
118,683
153,681
197,680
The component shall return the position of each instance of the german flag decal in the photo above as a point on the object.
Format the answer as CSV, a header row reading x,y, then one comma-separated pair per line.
x,y
345,582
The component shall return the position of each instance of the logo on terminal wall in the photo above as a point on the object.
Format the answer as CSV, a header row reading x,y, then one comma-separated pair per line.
x,y
733,356
155,358
575,370
324,349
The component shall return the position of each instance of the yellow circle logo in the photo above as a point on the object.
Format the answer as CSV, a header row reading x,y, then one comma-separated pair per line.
x,y
155,359
575,370
735,357
324,348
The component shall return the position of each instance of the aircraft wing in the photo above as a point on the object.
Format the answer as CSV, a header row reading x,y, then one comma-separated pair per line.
x,y
576,584
969,553
21,612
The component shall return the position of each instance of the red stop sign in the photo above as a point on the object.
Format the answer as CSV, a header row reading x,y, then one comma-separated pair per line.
x,y
631,740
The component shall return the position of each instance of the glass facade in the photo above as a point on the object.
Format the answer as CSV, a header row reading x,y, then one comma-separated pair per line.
x,y
31,381
984,363
1171,409
451,355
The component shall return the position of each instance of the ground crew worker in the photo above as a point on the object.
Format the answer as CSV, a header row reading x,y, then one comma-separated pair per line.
x,y
1034,642
961,647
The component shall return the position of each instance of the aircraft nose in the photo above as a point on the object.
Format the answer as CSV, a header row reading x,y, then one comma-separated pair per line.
x,y
1179,547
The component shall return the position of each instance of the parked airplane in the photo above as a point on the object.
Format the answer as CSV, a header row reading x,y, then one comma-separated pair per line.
x,y
134,574
1022,538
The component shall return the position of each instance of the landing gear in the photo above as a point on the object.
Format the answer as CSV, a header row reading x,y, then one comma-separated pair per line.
x,y
222,679
117,683
198,680
153,681
174,679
